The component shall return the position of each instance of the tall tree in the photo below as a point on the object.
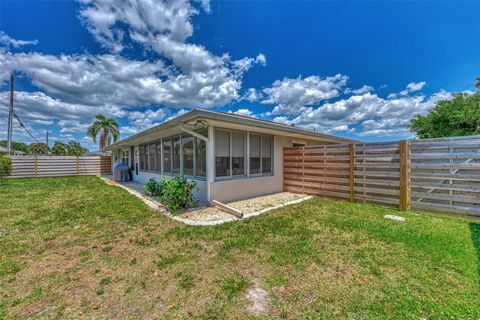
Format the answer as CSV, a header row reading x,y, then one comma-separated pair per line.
x,y
75,148
72,148
17,146
59,149
477,84
459,116
106,129
39,148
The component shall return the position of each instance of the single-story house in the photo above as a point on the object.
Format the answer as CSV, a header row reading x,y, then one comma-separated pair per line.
x,y
231,157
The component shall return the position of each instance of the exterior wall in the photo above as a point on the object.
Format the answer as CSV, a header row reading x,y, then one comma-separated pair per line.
x,y
242,188
200,194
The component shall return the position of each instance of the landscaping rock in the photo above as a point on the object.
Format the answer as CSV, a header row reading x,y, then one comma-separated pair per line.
x,y
258,299
395,218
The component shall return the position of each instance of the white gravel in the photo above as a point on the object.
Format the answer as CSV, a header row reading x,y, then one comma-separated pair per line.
x,y
208,216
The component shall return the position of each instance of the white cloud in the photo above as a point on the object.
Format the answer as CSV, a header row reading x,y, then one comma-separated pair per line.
x,y
362,90
8,41
261,59
244,112
373,115
411,87
252,95
290,95
72,88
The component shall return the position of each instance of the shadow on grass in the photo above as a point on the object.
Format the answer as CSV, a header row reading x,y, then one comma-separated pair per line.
x,y
475,234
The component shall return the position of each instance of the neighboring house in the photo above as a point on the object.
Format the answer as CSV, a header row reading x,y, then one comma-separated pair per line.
x,y
230,156
4,150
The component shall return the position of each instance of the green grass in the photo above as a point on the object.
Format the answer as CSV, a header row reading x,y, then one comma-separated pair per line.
x,y
78,248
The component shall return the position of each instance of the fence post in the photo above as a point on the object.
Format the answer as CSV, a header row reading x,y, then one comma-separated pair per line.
x,y
404,147
303,170
78,168
35,166
352,171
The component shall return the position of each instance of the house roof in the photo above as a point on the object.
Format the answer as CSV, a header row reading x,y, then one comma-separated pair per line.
x,y
230,118
3,149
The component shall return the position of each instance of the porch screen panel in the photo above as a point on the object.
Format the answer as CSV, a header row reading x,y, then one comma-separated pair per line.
x,y
176,155
200,158
167,156
222,153
238,153
152,151
141,156
255,149
267,154
187,145
159,157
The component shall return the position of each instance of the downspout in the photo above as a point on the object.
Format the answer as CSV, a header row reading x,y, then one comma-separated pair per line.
x,y
208,156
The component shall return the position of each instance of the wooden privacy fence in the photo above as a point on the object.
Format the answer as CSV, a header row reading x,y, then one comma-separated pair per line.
x,y
56,166
430,174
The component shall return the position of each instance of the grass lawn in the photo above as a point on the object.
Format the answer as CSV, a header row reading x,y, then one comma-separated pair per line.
x,y
78,248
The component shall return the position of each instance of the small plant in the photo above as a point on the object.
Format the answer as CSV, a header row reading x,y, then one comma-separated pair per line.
x,y
5,166
177,193
153,187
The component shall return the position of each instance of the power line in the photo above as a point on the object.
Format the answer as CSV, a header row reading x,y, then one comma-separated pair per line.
x,y
24,127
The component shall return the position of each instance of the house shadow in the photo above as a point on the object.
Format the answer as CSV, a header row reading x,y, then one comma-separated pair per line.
x,y
475,234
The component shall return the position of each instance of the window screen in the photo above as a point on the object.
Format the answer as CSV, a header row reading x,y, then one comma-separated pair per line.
x,y
167,156
142,157
159,157
266,154
255,147
201,158
238,153
152,151
176,155
222,153
187,145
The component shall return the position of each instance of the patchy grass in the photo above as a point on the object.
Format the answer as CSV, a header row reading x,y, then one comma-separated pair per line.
x,y
78,248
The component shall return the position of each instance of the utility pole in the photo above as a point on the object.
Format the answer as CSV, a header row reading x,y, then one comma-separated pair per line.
x,y
10,114
46,138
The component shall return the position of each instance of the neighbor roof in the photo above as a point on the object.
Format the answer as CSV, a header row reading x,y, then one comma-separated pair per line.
x,y
231,118
3,149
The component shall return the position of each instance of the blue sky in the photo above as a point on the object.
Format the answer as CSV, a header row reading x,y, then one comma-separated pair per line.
x,y
352,69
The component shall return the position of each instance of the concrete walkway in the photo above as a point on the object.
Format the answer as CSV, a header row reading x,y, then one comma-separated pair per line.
x,y
210,216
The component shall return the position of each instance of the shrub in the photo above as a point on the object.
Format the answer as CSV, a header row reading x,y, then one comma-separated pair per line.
x,y
153,187
5,166
177,193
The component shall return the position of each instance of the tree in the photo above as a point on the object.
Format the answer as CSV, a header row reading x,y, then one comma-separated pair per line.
x,y
107,129
477,84
459,116
17,146
5,166
72,148
39,148
59,149
75,148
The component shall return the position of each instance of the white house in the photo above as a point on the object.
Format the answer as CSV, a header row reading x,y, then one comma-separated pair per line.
x,y
230,156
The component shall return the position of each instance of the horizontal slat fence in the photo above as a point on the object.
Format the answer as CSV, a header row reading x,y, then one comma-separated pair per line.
x,y
59,166
445,175
431,174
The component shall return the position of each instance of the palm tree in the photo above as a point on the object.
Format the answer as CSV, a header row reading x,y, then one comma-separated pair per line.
x,y
107,128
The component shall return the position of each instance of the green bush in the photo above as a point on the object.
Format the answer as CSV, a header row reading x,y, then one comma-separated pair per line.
x,y
5,166
153,187
177,193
